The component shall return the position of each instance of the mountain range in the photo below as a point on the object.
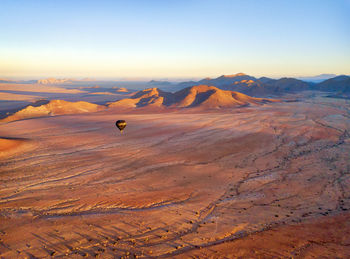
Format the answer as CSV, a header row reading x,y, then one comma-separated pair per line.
x,y
256,87
340,83
317,79
261,87
202,96
240,82
226,91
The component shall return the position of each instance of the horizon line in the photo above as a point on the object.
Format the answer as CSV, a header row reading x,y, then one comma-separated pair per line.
x,y
143,79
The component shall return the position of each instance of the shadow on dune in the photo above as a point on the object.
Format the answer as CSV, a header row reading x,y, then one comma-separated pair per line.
x,y
14,138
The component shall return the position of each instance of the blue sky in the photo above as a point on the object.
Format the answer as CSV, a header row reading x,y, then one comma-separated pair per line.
x,y
173,39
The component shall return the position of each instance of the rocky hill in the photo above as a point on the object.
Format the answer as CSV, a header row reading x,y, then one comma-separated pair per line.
x,y
196,96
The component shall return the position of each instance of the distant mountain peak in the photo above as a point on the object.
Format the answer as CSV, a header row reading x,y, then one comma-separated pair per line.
x,y
52,81
317,78
234,75
339,84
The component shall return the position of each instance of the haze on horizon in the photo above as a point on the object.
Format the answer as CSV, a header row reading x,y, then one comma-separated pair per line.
x,y
164,39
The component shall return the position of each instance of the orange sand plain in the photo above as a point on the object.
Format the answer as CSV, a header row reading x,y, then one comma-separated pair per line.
x,y
269,181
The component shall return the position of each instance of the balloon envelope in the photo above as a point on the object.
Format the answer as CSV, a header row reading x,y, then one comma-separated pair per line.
x,y
121,124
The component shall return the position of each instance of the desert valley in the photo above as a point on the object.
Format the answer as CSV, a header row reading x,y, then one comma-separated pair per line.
x,y
230,167
175,129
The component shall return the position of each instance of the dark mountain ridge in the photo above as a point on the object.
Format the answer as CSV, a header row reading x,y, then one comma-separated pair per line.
x,y
264,86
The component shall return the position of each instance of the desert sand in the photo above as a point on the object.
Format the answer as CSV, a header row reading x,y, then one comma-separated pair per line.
x,y
265,181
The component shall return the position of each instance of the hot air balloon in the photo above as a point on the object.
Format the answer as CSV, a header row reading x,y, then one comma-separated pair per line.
x,y
121,124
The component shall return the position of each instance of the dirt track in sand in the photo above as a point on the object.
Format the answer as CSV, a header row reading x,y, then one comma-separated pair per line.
x,y
204,184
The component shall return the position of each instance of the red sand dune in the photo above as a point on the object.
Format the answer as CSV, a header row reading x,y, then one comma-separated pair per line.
x,y
12,146
7,144
202,96
54,107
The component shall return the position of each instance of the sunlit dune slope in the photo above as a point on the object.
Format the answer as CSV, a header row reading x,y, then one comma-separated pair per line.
x,y
54,107
212,97
8,143
196,96
11,146
148,97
